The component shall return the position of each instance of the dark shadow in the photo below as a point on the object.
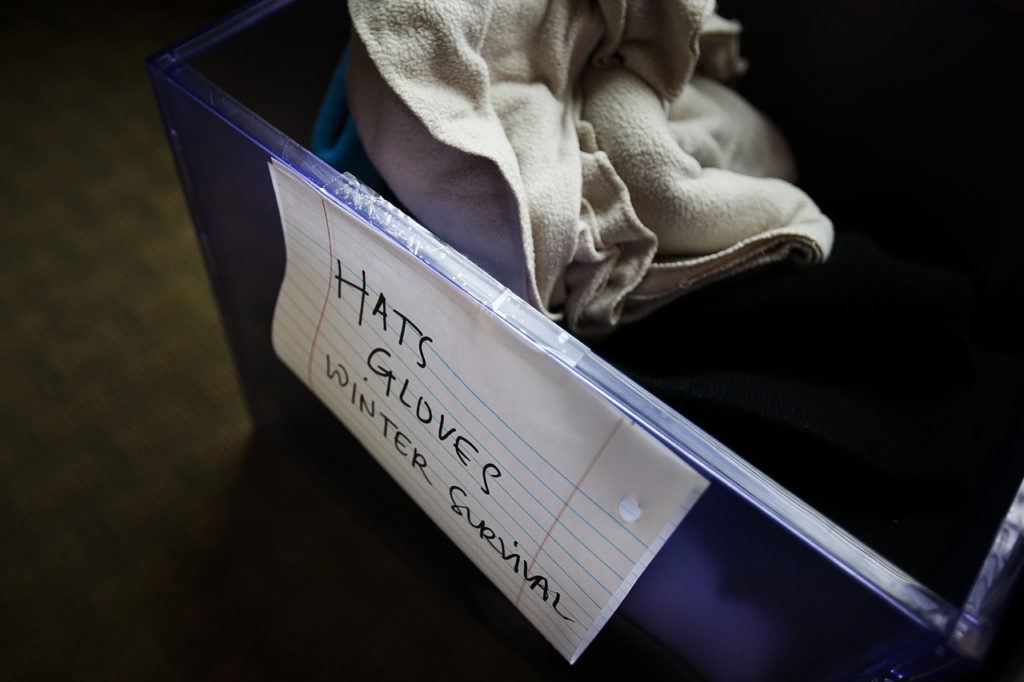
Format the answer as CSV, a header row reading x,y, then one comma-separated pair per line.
x,y
318,566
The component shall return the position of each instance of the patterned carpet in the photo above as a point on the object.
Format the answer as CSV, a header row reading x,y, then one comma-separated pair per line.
x,y
145,532
120,416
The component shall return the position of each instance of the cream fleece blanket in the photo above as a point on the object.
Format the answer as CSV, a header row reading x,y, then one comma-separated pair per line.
x,y
580,151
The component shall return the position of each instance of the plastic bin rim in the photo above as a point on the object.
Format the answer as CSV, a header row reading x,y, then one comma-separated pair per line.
x,y
969,629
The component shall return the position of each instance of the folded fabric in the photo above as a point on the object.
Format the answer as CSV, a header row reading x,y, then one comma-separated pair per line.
x,y
579,151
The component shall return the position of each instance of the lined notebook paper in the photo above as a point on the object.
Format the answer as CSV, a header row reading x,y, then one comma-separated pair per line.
x,y
554,494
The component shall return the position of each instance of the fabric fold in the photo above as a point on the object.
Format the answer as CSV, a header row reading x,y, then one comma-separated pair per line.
x,y
579,151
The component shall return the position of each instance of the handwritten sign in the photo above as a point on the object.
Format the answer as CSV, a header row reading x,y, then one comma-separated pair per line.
x,y
549,489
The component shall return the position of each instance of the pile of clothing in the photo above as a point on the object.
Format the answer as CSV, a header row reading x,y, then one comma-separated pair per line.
x,y
586,154
593,158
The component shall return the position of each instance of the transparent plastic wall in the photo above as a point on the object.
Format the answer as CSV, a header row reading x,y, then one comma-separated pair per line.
x,y
871,620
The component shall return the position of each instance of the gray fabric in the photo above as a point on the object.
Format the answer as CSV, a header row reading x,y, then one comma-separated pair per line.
x,y
570,149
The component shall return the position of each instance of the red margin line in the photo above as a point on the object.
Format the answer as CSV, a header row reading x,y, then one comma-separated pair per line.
x,y
565,505
327,297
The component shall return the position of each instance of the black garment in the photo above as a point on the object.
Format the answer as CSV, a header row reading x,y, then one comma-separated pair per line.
x,y
856,385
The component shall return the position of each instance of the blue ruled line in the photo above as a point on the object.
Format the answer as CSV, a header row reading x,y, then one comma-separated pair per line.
x,y
487,451
443,460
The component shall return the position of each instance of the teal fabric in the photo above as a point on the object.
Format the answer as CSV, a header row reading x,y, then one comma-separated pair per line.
x,y
335,139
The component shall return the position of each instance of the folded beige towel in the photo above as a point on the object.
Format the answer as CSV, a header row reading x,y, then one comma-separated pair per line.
x,y
579,151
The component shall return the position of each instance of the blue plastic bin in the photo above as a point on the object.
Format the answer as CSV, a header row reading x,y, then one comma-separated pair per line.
x,y
754,584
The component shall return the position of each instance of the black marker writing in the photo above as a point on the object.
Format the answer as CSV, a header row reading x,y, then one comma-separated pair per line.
x,y
519,565
490,470
380,312
361,288
418,405
369,408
